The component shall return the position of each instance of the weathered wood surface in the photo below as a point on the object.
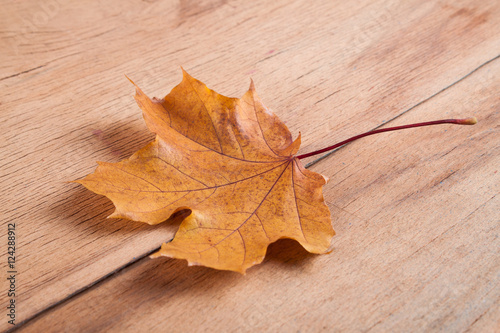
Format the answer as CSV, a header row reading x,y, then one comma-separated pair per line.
x,y
416,213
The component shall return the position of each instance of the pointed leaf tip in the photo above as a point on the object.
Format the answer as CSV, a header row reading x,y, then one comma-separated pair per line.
x,y
130,80
252,85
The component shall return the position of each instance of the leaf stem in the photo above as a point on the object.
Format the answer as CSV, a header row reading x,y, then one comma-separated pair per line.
x,y
467,121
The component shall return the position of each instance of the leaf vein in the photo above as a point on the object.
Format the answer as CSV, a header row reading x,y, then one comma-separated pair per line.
x,y
209,116
201,189
296,203
260,204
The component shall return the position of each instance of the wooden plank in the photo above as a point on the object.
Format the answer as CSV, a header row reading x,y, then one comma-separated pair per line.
x,y
417,245
340,68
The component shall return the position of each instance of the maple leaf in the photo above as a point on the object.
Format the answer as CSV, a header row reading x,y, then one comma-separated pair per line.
x,y
231,162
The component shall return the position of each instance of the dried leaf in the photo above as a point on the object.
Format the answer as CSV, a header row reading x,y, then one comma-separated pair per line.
x,y
231,162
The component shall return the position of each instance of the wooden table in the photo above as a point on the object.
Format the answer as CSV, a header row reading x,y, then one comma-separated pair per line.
x,y
416,212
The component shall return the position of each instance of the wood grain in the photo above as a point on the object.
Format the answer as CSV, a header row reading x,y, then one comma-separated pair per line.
x,y
417,246
416,213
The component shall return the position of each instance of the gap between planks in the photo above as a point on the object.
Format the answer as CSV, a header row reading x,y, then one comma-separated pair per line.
x,y
411,108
